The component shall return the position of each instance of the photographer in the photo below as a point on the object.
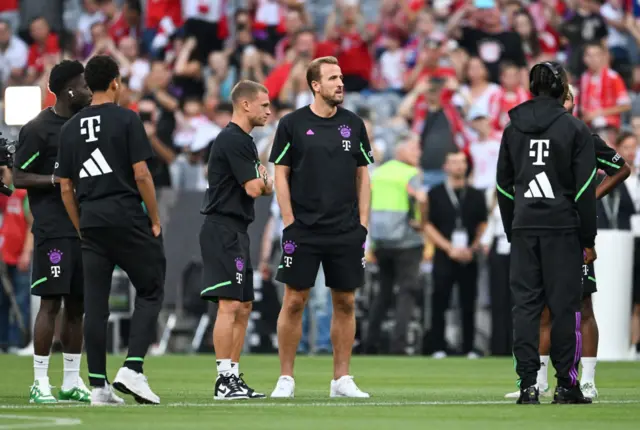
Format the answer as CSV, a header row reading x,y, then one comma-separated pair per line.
x,y
164,154
16,251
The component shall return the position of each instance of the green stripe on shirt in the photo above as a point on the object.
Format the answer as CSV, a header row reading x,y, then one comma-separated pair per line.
x,y
366,157
30,160
504,193
586,184
284,151
608,163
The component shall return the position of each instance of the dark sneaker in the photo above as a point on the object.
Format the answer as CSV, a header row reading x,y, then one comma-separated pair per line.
x,y
228,387
529,396
250,391
570,396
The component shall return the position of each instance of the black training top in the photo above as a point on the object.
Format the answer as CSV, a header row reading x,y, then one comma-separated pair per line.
x,y
546,170
233,161
37,153
324,155
98,148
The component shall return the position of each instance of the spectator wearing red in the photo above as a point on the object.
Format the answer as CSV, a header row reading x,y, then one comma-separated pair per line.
x,y
207,21
128,23
16,251
538,45
603,95
9,12
44,43
294,21
163,17
430,52
346,29
510,95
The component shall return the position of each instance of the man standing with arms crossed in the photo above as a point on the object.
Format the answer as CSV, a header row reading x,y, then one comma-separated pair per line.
x,y
106,185
545,179
616,169
235,180
321,153
57,261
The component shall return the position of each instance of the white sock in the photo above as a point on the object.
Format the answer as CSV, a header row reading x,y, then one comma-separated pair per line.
x,y
235,368
40,366
224,366
71,370
542,380
588,369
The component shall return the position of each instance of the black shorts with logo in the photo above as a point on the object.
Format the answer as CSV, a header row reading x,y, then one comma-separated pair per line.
x,y
588,280
341,255
57,268
226,260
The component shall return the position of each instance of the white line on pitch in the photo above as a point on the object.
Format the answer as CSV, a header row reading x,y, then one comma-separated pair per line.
x,y
36,421
285,404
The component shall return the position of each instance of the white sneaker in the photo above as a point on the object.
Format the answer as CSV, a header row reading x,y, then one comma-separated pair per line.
x,y
284,388
473,355
589,390
544,392
40,392
345,387
105,396
438,355
130,382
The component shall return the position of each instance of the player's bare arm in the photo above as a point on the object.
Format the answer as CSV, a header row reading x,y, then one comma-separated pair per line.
x,y
144,182
68,193
363,184
610,182
22,179
283,193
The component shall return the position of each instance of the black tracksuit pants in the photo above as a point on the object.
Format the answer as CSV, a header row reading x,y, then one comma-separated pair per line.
x,y
546,269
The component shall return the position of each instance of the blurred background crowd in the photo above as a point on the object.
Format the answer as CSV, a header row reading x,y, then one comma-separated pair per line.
x,y
433,81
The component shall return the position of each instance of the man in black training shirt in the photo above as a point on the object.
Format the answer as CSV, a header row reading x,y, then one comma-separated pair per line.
x,y
103,155
321,153
57,262
546,170
616,169
236,179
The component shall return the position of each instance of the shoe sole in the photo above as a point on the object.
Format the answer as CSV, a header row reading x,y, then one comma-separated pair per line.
x,y
137,397
570,402
231,398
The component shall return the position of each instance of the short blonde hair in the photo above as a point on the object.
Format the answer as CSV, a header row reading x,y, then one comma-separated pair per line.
x,y
246,90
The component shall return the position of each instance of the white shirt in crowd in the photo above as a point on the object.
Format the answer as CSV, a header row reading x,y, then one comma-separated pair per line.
x,y
616,38
205,10
137,73
84,25
14,57
391,69
484,155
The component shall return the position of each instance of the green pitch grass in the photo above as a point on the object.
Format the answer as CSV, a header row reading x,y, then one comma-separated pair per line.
x,y
407,393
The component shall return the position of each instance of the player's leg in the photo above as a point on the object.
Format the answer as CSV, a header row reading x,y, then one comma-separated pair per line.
x,y
544,350
298,270
528,301
98,271
562,258
590,335
73,387
141,256
343,261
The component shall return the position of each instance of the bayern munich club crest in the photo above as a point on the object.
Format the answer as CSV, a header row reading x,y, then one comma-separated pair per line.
x,y
345,131
289,247
55,256
239,264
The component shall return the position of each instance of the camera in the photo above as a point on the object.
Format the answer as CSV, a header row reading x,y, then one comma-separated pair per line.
x,y
7,150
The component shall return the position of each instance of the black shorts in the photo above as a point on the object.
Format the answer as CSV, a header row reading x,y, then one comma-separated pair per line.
x,y
226,261
57,268
341,255
133,248
588,280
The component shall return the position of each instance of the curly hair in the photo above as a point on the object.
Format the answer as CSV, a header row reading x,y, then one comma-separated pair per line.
x,y
100,71
62,73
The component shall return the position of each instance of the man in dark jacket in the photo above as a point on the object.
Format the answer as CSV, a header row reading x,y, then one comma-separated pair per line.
x,y
545,179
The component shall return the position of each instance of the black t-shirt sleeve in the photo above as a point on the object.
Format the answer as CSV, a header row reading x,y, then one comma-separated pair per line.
x,y
242,160
137,141
607,158
64,165
281,149
365,155
30,143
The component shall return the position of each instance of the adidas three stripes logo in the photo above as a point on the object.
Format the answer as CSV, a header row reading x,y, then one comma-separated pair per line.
x,y
540,187
96,165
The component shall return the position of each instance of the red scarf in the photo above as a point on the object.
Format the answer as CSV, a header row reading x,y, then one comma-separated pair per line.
x,y
603,92
502,102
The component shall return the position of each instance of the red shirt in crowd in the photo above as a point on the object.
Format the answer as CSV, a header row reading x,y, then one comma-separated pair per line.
x,y
37,52
120,29
501,102
602,91
158,9
14,227
8,5
354,56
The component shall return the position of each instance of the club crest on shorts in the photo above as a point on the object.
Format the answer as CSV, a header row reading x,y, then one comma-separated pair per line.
x,y
289,247
55,257
239,264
